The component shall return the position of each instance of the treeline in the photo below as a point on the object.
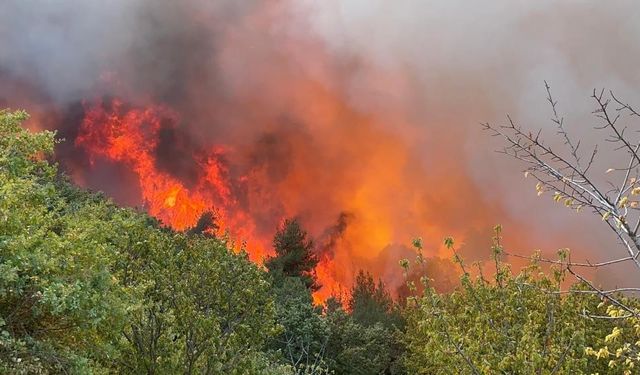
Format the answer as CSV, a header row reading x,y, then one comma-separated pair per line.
x,y
87,287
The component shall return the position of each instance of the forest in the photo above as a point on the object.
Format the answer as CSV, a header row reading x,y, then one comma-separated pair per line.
x,y
88,287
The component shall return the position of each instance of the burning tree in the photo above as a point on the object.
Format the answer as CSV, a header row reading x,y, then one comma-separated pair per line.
x,y
570,173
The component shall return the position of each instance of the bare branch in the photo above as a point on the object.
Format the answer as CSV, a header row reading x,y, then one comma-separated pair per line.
x,y
570,264
572,181
559,121
604,295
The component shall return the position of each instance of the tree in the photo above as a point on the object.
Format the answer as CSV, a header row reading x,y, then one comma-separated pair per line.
x,y
366,339
61,306
570,175
206,225
304,335
371,303
509,323
294,254
205,309
302,342
354,348
620,348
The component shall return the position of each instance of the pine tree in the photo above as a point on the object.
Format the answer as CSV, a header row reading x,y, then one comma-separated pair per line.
x,y
294,254
370,302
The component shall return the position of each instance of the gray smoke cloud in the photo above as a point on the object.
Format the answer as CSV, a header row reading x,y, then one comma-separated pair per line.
x,y
472,62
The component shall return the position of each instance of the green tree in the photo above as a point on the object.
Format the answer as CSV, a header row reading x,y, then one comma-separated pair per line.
x,y
294,255
610,192
302,343
354,348
61,306
304,333
206,310
366,339
516,324
620,349
371,303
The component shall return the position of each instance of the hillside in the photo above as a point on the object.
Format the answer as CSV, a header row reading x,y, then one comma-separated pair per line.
x,y
88,287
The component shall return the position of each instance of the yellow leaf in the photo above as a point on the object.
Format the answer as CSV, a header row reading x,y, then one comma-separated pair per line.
x,y
623,202
615,333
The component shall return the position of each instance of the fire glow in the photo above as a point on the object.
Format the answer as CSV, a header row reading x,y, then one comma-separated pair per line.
x,y
351,178
130,136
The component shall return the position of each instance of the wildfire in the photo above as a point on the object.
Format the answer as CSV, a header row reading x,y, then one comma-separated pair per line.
x,y
130,136
255,122
245,111
355,185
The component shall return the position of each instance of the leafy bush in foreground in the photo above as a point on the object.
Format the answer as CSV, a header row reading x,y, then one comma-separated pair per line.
x,y
509,323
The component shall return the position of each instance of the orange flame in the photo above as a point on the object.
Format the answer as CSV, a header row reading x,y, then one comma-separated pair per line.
x,y
130,136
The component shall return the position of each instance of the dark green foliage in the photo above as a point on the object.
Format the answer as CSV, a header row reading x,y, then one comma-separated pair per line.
x,y
294,255
302,343
371,303
60,303
206,225
357,349
365,340
205,309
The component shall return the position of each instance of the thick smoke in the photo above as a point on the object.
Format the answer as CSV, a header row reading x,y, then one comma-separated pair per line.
x,y
477,62
363,111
